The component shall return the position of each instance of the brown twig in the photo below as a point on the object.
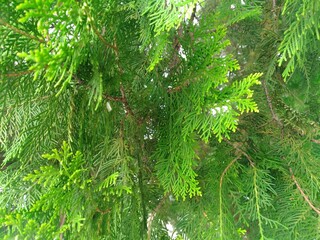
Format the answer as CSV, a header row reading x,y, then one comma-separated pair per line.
x,y
17,74
191,33
235,146
183,85
176,45
154,212
125,102
315,141
193,15
227,168
95,30
303,194
114,46
108,45
62,221
178,88
122,99
274,4
269,101
116,99
19,31
116,51
103,211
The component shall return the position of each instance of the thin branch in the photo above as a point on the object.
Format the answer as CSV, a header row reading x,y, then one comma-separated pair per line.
x,y
103,211
102,38
269,101
96,31
116,51
183,85
303,194
144,219
16,74
191,33
154,212
235,146
108,45
193,15
315,141
125,101
114,46
226,170
111,98
178,88
62,221
274,5
176,45
19,31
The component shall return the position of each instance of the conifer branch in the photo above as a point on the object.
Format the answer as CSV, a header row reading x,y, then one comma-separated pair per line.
x,y
142,195
106,44
220,194
29,101
118,57
257,205
154,212
315,141
111,98
176,45
103,211
274,4
226,170
180,87
19,31
62,221
95,30
269,101
303,194
236,147
123,100
193,16
17,74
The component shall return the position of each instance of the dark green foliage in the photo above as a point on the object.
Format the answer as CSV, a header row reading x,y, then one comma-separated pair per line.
x,y
119,120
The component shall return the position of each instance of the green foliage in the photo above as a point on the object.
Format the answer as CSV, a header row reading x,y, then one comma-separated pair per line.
x,y
122,120
303,20
68,196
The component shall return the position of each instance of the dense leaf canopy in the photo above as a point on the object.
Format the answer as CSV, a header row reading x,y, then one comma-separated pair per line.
x,y
159,119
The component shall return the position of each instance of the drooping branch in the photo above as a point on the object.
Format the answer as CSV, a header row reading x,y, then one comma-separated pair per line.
x,y
303,194
226,170
96,31
269,101
176,45
239,150
106,44
19,31
125,102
